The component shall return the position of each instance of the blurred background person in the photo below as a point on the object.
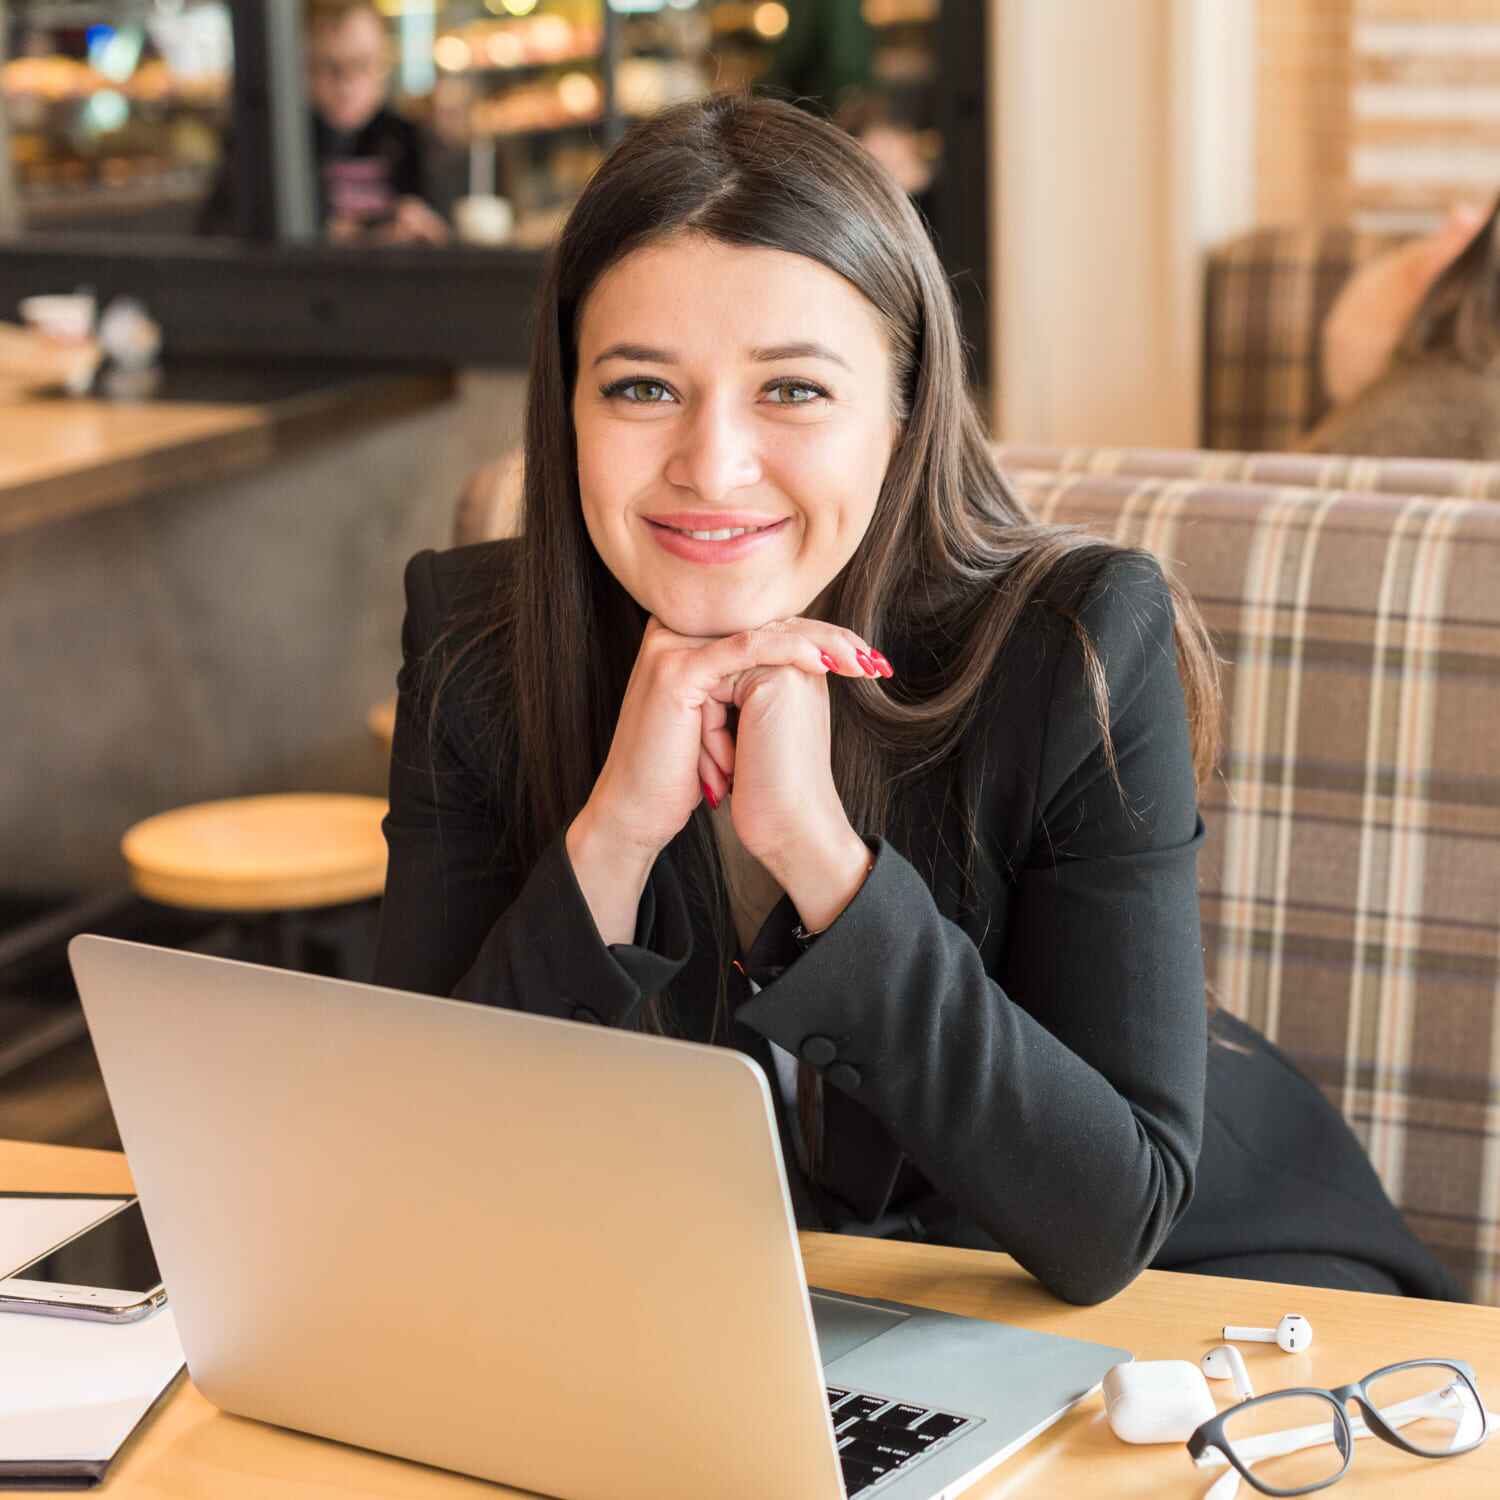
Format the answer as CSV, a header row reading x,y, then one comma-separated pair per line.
x,y
371,163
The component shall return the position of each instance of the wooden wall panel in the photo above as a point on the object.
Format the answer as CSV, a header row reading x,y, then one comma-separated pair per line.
x,y
1303,110
1386,112
1425,109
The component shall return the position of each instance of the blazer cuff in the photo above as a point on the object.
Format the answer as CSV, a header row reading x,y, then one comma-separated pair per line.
x,y
567,970
814,1007
663,934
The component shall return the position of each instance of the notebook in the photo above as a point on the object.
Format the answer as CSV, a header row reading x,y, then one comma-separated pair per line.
x,y
71,1392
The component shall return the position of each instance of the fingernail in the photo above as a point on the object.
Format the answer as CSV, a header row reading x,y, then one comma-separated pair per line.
x,y
828,661
886,669
708,792
871,670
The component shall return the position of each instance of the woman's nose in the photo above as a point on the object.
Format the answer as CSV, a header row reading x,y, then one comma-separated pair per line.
x,y
716,454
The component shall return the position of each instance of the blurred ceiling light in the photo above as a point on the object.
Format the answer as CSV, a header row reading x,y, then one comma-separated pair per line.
x,y
115,52
106,111
518,7
770,19
551,34
452,53
893,12
579,94
505,50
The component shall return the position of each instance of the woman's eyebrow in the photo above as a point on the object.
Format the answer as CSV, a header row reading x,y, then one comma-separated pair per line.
x,y
797,351
644,354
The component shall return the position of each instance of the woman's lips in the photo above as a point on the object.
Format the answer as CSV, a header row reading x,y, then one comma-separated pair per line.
x,y
700,550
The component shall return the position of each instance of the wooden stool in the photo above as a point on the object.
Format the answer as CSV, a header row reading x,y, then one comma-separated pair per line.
x,y
284,854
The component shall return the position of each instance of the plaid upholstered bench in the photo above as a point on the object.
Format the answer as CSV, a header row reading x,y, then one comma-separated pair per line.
x,y
1382,476
1351,880
1350,885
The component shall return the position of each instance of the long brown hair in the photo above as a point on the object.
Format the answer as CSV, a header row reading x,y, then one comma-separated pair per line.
x,y
951,554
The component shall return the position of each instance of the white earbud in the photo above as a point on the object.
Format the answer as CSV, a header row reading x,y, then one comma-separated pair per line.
x,y
1227,1363
1291,1335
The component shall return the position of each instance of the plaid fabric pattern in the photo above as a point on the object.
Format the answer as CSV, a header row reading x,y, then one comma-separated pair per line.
x,y
1351,881
1383,476
1265,296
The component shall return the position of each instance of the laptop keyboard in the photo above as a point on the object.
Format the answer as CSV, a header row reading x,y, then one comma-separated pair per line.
x,y
878,1437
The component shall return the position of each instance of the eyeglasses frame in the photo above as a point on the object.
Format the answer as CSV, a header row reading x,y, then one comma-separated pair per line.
x,y
1210,1434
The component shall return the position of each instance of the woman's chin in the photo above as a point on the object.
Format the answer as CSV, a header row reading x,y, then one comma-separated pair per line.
x,y
708,625
706,619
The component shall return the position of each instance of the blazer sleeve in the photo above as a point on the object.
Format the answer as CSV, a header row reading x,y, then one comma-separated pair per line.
x,y
1057,1102
458,918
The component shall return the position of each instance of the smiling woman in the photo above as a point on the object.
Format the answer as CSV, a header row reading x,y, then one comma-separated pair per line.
x,y
654,767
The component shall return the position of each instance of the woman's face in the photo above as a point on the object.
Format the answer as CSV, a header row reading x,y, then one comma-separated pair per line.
x,y
724,389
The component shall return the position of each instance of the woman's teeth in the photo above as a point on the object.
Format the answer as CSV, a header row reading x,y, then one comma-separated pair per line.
x,y
717,536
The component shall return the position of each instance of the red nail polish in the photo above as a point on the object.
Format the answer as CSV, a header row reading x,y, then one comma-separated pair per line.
x,y
871,670
886,669
828,661
708,792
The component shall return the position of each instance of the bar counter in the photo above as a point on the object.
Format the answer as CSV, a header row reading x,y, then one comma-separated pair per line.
x,y
62,455
200,593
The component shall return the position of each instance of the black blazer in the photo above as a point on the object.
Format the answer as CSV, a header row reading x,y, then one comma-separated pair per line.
x,y
1021,1066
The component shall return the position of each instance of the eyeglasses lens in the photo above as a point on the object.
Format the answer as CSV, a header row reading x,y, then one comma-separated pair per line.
x,y
1431,1406
1288,1442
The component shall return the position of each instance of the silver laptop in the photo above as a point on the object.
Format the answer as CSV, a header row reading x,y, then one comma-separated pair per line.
x,y
552,1254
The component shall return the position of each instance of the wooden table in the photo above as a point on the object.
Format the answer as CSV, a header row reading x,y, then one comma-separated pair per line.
x,y
60,456
191,1451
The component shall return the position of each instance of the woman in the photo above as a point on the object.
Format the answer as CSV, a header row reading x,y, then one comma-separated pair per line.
x,y
783,727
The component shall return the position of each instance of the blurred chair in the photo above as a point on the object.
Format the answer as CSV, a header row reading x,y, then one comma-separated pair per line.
x,y
489,505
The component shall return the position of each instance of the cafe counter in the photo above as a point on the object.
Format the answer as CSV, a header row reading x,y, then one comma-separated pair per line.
x,y
200,590
61,455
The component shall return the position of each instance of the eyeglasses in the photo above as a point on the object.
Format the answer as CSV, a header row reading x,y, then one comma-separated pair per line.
x,y
1295,1441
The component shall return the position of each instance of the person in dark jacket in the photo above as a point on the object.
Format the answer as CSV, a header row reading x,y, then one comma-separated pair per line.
x,y
371,163
783,726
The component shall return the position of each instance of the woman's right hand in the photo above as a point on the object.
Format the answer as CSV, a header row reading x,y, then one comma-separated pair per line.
x,y
670,742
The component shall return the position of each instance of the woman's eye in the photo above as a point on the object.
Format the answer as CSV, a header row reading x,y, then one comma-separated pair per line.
x,y
796,393
640,392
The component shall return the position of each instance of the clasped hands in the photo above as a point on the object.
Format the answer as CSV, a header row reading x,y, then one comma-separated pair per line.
x,y
673,744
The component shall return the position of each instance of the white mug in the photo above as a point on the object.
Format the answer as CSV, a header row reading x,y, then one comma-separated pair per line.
x,y
482,219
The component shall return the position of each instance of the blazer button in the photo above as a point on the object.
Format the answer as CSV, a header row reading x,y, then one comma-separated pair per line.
x,y
583,1013
845,1076
819,1051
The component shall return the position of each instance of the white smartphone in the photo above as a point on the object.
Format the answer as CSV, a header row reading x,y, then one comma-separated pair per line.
x,y
106,1272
